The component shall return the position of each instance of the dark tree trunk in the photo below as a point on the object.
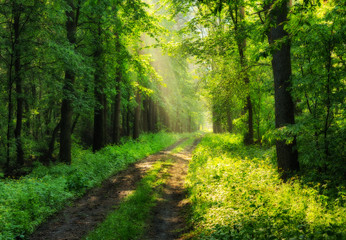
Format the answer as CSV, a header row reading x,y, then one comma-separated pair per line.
x,y
66,119
99,110
75,123
155,117
117,110
216,123
19,86
137,116
128,116
117,102
123,123
162,118
66,107
99,131
45,159
9,121
189,124
249,135
229,122
287,154
150,115
248,139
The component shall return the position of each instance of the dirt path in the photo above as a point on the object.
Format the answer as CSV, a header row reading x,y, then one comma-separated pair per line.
x,y
168,216
85,214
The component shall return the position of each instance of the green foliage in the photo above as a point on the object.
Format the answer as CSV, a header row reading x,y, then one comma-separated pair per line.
x,y
318,35
28,201
236,193
129,220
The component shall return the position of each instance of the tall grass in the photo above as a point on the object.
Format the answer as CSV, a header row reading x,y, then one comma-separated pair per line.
x,y
27,202
236,193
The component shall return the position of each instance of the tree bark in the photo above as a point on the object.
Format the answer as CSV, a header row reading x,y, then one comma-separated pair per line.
x,y
229,122
117,110
45,159
287,154
151,127
19,85
99,110
128,116
144,115
99,131
137,116
216,122
9,120
248,139
66,106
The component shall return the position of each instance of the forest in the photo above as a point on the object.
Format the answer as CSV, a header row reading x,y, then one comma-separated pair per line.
x,y
240,105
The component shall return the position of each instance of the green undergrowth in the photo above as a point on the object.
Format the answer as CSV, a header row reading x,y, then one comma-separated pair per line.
x,y
27,202
236,193
129,220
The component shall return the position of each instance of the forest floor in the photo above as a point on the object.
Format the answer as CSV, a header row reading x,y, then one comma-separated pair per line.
x,y
167,217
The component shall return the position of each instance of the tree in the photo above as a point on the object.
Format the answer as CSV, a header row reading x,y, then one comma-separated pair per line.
x,y
287,154
72,17
19,24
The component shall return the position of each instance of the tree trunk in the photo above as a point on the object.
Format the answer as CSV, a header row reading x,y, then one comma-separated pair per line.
x,y
49,154
137,116
216,122
287,154
155,117
117,110
150,115
19,86
9,121
99,110
248,139
66,106
99,131
229,122
144,116
74,124
128,116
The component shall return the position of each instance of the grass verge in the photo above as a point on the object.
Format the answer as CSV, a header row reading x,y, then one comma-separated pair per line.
x,y
27,202
129,220
236,193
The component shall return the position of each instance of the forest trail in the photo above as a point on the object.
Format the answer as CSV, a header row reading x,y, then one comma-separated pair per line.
x,y
86,213
167,221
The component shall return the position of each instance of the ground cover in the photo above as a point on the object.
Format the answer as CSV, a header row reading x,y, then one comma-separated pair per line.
x,y
235,193
25,203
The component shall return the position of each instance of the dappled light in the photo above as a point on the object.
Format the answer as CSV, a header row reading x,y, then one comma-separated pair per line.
x,y
172,119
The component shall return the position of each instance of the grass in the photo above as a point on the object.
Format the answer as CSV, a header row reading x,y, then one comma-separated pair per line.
x,y
190,139
27,202
236,193
129,220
